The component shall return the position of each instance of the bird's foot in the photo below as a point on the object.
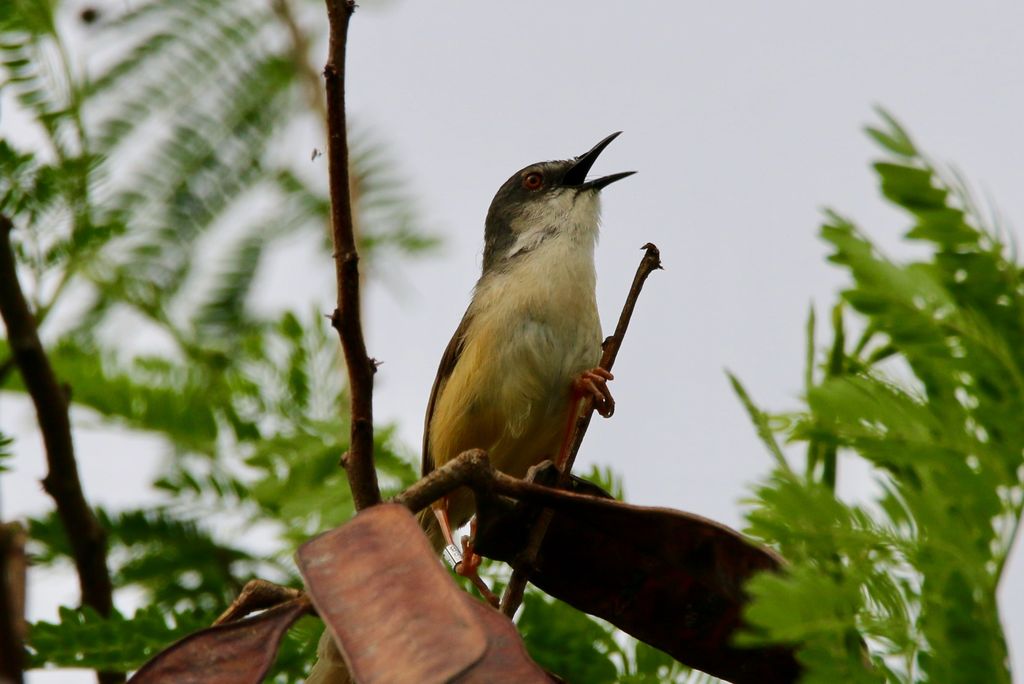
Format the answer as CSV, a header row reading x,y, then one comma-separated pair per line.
x,y
469,565
594,383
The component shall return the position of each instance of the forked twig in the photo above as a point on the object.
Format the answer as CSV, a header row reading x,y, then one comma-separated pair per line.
x,y
513,596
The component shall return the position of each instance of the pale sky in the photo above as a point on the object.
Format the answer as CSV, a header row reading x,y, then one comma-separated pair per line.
x,y
743,120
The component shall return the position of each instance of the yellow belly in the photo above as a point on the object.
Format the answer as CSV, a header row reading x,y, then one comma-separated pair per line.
x,y
499,398
509,394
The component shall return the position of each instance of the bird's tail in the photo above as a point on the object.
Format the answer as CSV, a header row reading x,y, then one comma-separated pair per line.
x,y
329,667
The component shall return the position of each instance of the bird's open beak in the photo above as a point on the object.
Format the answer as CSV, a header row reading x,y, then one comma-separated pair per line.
x,y
576,176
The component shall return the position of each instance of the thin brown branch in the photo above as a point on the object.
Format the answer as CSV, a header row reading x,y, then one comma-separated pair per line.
x,y
346,319
12,602
86,536
513,596
472,468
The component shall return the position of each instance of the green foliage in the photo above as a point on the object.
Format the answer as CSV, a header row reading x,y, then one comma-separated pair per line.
x,y
6,442
26,188
164,189
903,587
607,479
83,638
844,583
147,393
580,648
566,641
761,422
173,559
28,39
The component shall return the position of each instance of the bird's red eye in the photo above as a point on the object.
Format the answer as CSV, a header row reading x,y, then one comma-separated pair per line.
x,y
533,180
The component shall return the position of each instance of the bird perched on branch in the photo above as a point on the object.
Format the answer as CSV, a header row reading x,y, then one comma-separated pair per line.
x,y
513,378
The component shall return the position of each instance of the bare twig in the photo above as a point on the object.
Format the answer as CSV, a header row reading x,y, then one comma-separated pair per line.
x,y
513,596
12,602
256,595
86,536
473,469
362,476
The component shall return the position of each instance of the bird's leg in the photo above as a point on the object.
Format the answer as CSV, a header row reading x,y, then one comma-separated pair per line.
x,y
440,508
593,383
470,561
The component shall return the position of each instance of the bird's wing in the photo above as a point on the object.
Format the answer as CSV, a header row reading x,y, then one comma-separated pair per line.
x,y
448,361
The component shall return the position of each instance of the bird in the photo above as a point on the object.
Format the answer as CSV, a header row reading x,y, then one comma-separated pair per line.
x,y
526,352
525,355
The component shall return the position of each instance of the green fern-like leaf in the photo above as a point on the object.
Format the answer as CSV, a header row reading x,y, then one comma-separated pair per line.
x,y
148,394
83,638
567,642
904,589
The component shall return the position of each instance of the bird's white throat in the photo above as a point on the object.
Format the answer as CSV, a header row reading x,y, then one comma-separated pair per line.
x,y
568,213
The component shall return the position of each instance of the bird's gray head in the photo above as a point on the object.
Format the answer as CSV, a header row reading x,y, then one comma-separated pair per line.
x,y
543,200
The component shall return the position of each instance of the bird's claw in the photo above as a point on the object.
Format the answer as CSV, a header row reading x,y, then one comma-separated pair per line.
x,y
594,382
